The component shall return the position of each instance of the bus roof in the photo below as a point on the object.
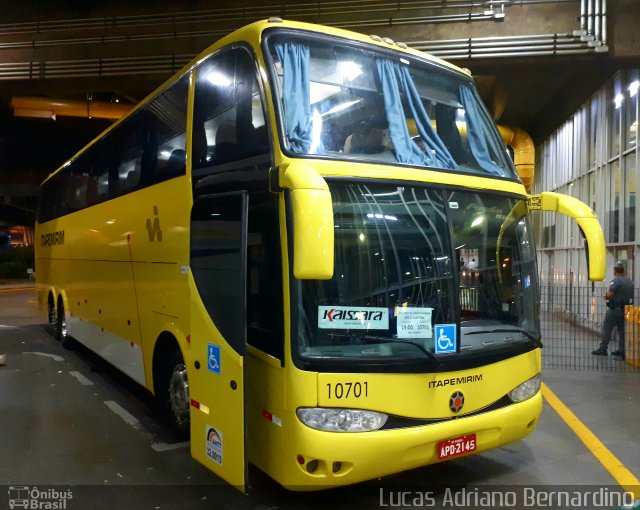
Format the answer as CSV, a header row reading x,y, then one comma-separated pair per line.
x,y
252,34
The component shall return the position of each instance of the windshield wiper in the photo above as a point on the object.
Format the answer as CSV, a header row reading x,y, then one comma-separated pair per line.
x,y
526,333
382,339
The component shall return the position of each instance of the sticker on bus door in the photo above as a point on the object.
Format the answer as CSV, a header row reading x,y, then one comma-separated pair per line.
x,y
445,340
213,358
214,444
352,317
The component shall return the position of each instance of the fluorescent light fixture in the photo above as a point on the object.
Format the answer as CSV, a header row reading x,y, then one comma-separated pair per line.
x,y
217,78
618,100
341,106
478,221
316,131
349,70
379,216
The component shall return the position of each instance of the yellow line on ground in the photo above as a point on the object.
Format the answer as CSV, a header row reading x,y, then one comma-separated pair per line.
x,y
611,463
22,289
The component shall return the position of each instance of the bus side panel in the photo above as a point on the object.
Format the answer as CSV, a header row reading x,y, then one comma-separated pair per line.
x,y
266,414
159,242
216,387
85,256
44,281
120,266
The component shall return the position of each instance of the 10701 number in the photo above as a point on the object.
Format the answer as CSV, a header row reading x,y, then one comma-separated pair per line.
x,y
348,389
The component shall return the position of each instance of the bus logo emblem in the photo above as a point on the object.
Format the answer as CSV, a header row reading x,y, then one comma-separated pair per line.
x,y
153,228
456,402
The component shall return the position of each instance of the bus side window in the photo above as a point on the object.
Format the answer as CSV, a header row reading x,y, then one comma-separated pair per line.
x,y
151,144
229,121
450,131
147,148
265,327
76,189
127,144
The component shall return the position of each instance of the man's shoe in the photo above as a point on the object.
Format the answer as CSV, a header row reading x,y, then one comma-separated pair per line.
x,y
599,352
618,355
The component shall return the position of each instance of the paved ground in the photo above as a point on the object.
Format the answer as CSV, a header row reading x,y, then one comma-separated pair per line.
x,y
68,419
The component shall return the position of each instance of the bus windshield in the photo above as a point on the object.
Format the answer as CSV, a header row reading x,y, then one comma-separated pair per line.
x,y
343,102
408,259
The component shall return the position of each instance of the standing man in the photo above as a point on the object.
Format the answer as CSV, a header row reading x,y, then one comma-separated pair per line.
x,y
620,293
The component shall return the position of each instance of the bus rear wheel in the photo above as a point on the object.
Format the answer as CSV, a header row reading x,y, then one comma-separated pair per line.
x,y
62,334
51,311
174,395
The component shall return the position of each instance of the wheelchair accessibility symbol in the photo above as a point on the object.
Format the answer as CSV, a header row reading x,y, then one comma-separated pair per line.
x,y
445,338
213,358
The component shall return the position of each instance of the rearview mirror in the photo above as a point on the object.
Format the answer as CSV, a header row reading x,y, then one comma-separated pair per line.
x,y
586,220
312,215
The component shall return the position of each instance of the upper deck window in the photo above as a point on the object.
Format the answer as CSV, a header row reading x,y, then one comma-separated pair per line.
x,y
343,102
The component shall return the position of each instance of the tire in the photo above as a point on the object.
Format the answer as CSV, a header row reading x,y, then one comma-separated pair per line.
x,y
173,395
51,311
62,334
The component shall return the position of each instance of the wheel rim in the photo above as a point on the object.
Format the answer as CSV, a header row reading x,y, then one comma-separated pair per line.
x,y
179,394
52,313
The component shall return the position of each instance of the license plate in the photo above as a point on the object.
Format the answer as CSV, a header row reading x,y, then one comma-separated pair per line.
x,y
456,446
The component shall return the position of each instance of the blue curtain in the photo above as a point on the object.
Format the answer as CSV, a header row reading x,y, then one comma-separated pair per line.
x,y
396,82
296,95
475,133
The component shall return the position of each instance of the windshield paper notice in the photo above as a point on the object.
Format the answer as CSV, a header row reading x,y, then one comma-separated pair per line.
x,y
352,317
414,323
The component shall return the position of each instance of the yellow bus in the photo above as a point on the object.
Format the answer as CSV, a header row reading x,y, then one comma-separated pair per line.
x,y
311,245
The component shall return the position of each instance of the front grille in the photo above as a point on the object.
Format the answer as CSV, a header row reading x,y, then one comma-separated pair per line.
x,y
400,422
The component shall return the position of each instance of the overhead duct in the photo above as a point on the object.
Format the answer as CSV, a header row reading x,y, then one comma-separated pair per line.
x,y
593,25
43,107
524,152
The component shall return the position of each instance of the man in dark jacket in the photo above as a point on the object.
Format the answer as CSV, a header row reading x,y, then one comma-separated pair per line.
x,y
620,293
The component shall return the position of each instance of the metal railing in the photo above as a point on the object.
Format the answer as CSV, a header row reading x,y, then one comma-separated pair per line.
x,y
571,319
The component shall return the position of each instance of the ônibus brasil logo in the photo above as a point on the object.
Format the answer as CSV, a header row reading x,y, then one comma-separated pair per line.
x,y
23,496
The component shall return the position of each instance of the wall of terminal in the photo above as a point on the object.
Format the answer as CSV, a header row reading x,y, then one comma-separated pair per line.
x,y
593,156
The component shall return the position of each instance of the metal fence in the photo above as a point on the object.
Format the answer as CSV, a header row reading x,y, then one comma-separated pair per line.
x,y
571,323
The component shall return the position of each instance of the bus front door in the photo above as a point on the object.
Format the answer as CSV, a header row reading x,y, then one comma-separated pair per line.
x,y
218,333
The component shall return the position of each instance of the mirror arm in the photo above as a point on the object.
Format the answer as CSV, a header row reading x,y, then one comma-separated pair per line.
x,y
586,220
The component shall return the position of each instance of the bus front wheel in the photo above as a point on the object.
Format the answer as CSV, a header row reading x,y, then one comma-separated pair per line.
x,y
174,395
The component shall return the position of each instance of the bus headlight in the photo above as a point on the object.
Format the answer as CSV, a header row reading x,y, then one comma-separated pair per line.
x,y
526,390
341,420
